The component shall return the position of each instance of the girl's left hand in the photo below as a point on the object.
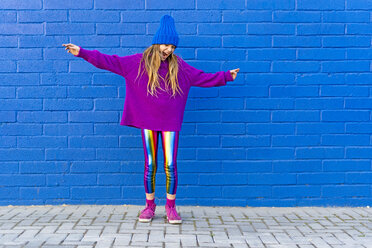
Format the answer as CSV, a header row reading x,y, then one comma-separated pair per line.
x,y
234,73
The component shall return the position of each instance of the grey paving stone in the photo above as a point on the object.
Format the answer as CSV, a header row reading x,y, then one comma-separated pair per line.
x,y
118,226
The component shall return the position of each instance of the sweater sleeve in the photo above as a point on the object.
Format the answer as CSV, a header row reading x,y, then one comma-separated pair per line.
x,y
199,78
112,63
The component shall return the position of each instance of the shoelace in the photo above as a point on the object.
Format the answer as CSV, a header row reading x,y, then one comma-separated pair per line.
x,y
173,213
147,209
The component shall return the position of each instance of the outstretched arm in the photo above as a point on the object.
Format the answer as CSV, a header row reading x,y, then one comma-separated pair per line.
x,y
201,79
100,60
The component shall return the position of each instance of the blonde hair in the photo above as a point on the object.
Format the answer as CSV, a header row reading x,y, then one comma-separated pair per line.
x,y
151,59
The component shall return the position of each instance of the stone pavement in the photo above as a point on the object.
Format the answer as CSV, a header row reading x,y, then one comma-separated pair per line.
x,y
107,226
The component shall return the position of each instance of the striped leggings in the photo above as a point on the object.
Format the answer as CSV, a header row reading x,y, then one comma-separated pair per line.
x,y
150,147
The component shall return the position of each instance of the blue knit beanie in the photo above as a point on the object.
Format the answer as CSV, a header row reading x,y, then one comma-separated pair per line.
x,y
166,33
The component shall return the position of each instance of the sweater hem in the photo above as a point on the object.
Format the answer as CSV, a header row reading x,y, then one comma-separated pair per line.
x,y
140,126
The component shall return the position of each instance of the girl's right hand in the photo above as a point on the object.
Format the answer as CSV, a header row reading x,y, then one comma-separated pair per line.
x,y
72,48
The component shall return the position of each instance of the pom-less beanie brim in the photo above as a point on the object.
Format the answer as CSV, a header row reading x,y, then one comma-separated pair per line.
x,y
166,39
166,34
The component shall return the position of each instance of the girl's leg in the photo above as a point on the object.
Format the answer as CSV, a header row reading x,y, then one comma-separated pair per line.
x,y
170,147
150,147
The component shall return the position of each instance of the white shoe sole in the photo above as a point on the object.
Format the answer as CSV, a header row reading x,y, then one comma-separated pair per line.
x,y
145,220
174,221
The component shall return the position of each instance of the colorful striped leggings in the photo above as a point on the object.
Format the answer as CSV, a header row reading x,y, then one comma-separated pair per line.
x,y
170,146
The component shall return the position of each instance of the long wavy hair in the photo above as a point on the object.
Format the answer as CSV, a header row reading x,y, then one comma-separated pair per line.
x,y
151,59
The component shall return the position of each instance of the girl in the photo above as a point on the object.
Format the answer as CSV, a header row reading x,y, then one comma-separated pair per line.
x,y
157,86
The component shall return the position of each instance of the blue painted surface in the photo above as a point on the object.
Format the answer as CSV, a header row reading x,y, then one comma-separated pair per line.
x,y
294,128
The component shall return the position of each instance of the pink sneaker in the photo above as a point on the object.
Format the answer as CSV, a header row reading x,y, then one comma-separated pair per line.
x,y
172,216
148,213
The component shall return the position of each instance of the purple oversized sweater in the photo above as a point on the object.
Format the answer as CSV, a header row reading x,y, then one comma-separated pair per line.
x,y
141,109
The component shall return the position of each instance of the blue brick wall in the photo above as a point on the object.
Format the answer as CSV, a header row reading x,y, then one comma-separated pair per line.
x,y
294,128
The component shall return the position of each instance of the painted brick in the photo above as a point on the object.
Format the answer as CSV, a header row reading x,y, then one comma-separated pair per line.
x,y
345,66
245,141
221,29
41,116
321,53
296,191
8,66
20,129
41,92
244,41
346,191
109,29
297,16
41,41
44,192
21,29
69,153
68,104
169,4
95,193
319,153
8,41
42,66
72,179
295,140
23,180
345,115
92,141
346,140
200,16
294,91
246,191
8,141
299,41
9,167
11,53
268,153
346,16
358,5
68,4
346,165
300,66
275,5
119,179
270,128
298,166
96,16
319,79
95,167
359,53
31,167
68,129
245,116
346,41
320,178
30,141
320,29
271,54
92,92
274,28
271,179
26,4
246,16
325,5
119,5
69,29
9,193
42,16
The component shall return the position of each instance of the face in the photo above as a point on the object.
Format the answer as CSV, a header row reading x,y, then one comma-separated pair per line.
x,y
166,50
